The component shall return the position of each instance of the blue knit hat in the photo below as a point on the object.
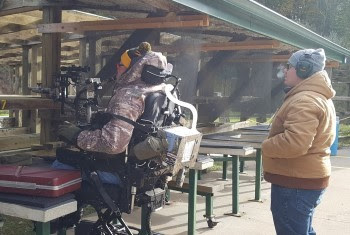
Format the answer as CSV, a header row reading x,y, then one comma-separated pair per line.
x,y
318,58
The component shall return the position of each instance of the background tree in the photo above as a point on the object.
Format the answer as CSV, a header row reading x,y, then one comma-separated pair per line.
x,y
329,18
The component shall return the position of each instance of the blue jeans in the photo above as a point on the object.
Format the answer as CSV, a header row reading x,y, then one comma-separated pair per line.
x,y
293,209
105,177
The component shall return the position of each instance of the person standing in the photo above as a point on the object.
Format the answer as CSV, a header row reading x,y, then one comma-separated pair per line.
x,y
296,154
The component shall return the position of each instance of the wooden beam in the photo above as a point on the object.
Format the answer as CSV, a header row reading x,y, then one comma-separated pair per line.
x,y
9,28
18,141
13,131
22,35
127,24
17,102
10,7
274,58
226,46
163,5
9,55
332,64
20,19
66,38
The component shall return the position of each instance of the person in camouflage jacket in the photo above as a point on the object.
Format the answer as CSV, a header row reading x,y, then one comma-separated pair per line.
x,y
128,100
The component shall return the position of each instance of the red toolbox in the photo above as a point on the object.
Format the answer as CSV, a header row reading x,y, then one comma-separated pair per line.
x,y
38,181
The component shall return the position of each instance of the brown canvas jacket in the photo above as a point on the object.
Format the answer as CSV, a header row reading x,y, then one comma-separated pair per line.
x,y
128,100
296,153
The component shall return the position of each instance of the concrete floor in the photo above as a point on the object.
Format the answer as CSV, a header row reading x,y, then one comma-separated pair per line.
x,y
331,217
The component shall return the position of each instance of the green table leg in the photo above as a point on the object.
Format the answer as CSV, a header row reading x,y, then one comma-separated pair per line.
x,y
199,175
241,166
144,219
167,195
224,169
62,231
210,217
235,186
192,202
258,175
42,228
209,206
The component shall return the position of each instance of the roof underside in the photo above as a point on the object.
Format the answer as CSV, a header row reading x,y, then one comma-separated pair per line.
x,y
257,18
231,21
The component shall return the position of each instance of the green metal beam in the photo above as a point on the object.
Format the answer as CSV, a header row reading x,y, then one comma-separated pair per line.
x,y
253,16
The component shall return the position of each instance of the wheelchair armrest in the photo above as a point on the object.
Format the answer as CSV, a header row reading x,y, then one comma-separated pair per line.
x,y
92,160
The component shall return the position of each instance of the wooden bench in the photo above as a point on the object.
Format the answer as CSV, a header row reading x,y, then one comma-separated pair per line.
x,y
41,216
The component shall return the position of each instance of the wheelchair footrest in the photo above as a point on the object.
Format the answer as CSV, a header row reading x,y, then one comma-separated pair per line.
x,y
154,198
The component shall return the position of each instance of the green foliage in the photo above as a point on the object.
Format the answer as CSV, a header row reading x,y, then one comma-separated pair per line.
x,y
344,131
216,167
16,226
329,18
4,113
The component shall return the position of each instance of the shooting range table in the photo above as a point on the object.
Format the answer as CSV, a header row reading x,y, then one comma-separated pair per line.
x,y
192,194
232,149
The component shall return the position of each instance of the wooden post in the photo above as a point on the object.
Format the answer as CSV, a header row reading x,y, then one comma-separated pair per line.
x,y
34,123
98,59
51,53
17,90
92,56
40,62
244,75
82,52
261,85
26,114
187,65
25,70
34,66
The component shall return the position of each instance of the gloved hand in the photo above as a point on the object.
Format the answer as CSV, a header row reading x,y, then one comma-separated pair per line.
x,y
69,133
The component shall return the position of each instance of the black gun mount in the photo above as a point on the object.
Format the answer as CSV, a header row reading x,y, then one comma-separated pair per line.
x,y
73,72
71,75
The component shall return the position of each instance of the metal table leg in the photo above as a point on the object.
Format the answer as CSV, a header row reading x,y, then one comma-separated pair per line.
x,y
241,166
258,175
62,231
144,219
192,201
224,169
208,206
210,217
42,228
235,186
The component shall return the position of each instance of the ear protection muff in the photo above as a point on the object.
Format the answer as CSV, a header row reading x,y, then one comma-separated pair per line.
x,y
304,67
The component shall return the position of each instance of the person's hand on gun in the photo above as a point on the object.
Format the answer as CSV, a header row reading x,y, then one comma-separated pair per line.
x,y
69,132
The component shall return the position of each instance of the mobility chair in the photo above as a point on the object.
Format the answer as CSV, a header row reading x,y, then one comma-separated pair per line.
x,y
144,181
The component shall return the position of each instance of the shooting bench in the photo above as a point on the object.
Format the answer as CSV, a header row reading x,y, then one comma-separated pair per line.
x,y
232,151
206,189
38,209
191,188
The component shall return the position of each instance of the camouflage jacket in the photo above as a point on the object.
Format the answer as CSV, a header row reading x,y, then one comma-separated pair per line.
x,y
128,100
